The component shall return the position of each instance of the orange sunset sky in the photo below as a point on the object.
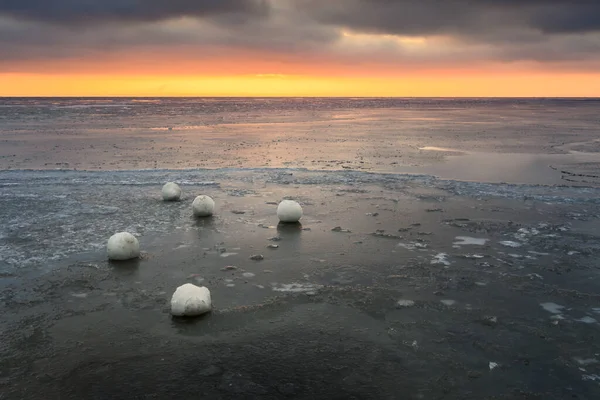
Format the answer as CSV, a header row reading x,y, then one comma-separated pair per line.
x,y
299,48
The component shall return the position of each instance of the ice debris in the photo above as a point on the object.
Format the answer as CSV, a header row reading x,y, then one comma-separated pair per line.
x,y
190,300
469,241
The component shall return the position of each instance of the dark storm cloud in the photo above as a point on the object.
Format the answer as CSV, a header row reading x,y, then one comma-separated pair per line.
x,y
423,17
544,31
78,12
567,18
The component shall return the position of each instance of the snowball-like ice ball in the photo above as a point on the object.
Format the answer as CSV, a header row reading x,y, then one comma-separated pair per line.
x,y
289,211
190,300
123,246
171,192
203,206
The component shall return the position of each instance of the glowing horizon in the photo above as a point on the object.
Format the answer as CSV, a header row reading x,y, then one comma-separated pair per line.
x,y
269,85
292,48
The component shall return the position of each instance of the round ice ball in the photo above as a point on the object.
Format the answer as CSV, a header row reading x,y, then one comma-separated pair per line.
x,y
171,192
123,246
203,206
289,211
190,300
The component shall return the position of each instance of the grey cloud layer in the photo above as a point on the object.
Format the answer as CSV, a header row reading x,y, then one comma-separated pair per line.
x,y
421,17
499,30
97,11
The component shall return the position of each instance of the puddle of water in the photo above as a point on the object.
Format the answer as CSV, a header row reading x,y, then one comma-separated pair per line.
x,y
508,167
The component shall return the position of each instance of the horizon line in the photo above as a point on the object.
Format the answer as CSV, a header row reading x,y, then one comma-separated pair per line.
x,y
296,97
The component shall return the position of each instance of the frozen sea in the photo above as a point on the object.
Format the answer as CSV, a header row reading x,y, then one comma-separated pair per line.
x,y
448,249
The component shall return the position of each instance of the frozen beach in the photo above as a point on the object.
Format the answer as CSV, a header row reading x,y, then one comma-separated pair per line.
x,y
448,248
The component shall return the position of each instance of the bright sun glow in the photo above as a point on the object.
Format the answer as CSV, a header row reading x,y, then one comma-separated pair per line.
x,y
365,38
427,84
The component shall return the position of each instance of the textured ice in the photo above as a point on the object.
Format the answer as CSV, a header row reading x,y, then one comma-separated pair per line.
x,y
585,361
440,259
524,234
412,245
296,287
99,203
552,307
593,378
227,254
448,302
587,320
469,241
509,243
535,276
474,256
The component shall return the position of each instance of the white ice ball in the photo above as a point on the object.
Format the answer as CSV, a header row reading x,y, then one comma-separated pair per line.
x,y
190,300
289,211
171,192
203,206
123,246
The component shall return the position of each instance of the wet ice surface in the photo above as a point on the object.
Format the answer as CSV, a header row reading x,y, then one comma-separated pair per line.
x,y
441,137
483,284
478,319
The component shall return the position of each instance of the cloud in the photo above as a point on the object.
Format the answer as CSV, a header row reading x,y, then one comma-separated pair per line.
x,y
80,12
462,17
347,33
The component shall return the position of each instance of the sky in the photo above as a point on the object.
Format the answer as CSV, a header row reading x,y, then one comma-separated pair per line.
x,y
455,48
